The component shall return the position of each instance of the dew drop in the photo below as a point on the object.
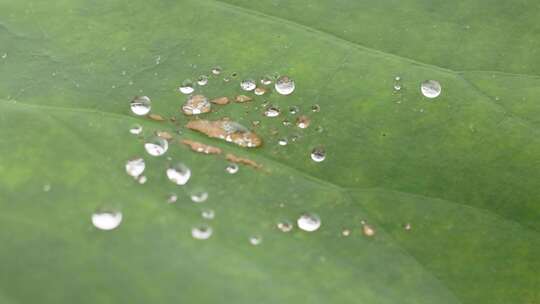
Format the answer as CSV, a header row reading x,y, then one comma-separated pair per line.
x,y
232,168
106,220
407,226
179,173
431,88
47,187
135,167
284,85
397,87
199,196
186,87
172,198
315,108
4,56
293,110
283,141
309,222
196,104
397,78
208,214
142,179
319,129
286,122
318,154
140,105
367,230
203,80
285,226
272,111
255,240
266,80
156,146
201,232
259,91
346,232
248,85
303,122
216,70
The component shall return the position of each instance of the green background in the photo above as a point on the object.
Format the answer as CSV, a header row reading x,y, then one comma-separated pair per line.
x,y
463,169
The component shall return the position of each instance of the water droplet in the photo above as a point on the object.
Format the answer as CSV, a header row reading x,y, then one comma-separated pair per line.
x,y
142,179
293,110
397,78
286,122
186,87
196,104
346,232
285,226
315,108
259,91
201,232
431,88
367,230
255,240
318,154
234,74
140,105
216,70
397,87
407,226
256,123
156,146
272,111
226,79
283,141
106,220
203,80
172,198
248,85
4,56
158,59
284,85
135,167
303,122
266,80
319,129
208,214
47,187
199,196
232,168
179,173
309,222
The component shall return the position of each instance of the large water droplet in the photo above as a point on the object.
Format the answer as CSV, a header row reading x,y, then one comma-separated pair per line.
x,y
156,146
285,226
431,88
179,173
318,154
255,240
199,196
284,85
248,85
201,232
140,105
106,220
196,104
135,167
136,129
186,87
309,222
208,214
232,168
203,80
272,111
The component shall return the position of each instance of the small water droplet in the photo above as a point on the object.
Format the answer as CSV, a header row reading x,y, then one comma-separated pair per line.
x,y
135,167
203,80
156,146
284,85
367,230
318,154
303,122
234,74
259,91
286,122
201,232
309,222
4,56
319,129
397,78
124,73
196,104
208,214
272,111
106,220
285,226
255,240
232,168
283,141
346,232
216,70
293,110
158,59
226,79
315,108
186,87
172,198
266,80
397,87
179,173
407,226
142,179
47,187
248,85
140,105
431,88
199,196
256,123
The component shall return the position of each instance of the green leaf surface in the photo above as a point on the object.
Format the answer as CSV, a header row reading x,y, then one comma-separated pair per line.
x,y
462,169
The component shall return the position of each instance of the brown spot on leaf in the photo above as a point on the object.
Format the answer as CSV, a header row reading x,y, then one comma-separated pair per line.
x,y
244,161
227,130
221,100
243,98
156,117
303,121
200,147
164,134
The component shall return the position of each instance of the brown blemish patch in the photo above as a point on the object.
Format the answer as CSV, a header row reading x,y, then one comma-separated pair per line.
x,y
196,104
303,121
227,130
164,134
156,117
242,98
200,147
244,161
221,100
